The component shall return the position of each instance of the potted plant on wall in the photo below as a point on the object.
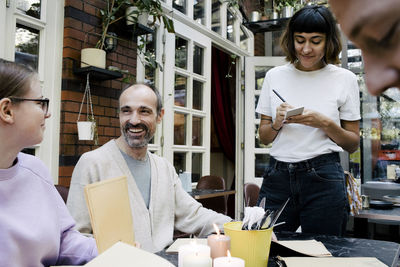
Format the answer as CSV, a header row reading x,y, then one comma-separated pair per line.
x,y
286,7
97,56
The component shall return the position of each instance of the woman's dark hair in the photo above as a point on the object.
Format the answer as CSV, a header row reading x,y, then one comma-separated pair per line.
x,y
14,79
313,19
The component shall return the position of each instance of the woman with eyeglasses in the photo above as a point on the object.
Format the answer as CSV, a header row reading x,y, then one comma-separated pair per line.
x,y
304,164
36,228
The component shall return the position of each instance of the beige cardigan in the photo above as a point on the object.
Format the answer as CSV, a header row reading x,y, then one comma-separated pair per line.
x,y
170,206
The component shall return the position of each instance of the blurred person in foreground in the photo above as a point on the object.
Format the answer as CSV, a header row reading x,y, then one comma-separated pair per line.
x,y
374,27
158,201
304,163
36,228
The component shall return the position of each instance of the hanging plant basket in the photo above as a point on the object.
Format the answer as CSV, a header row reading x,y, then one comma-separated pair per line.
x,y
87,130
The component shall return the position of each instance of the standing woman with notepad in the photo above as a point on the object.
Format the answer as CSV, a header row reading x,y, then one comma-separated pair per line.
x,y
304,163
36,228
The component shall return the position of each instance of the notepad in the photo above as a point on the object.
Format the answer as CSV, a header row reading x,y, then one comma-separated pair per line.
x,y
333,262
306,247
110,212
123,255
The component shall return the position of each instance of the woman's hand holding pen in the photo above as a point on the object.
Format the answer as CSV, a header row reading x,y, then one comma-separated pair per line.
x,y
280,114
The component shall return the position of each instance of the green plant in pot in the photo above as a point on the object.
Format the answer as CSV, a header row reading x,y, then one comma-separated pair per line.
x,y
286,7
153,8
109,15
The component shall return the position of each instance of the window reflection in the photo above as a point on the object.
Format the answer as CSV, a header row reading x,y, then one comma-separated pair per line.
x,y
196,166
197,129
180,162
150,69
198,11
180,90
181,52
243,39
26,46
179,5
179,129
198,95
230,33
216,16
198,55
29,7
261,164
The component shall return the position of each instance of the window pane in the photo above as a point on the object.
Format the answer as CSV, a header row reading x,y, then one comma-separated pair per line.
x,y
181,52
179,129
180,90
198,12
197,95
179,5
198,54
196,166
150,69
230,34
261,164
27,46
197,137
179,162
256,114
244,44
216,16
29,7
257,142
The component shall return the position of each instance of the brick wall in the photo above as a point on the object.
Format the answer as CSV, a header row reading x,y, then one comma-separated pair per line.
x,y
80,18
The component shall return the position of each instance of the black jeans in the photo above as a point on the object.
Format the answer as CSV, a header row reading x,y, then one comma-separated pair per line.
x,y
317,190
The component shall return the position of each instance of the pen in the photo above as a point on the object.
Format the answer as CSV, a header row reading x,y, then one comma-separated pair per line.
x,y
281,98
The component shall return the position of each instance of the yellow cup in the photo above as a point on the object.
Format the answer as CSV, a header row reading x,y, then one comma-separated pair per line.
x,y
250,245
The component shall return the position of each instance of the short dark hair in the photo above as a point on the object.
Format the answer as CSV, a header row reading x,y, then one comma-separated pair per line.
x,y
313,19
15,78
152,87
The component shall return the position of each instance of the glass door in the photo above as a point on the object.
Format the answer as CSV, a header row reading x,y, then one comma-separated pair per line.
x,y
32,32
256,154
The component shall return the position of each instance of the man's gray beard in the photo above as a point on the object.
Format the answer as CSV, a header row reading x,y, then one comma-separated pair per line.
x,y
132,144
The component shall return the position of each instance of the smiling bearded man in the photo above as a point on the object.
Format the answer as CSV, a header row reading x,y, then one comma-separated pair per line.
x,y
159,203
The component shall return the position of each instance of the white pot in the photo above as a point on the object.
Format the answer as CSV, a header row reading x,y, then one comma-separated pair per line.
x,y
86,130
131,19
93,57
287,12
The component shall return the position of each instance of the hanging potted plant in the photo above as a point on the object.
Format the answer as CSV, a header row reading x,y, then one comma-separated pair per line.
x,y
87,130
97,56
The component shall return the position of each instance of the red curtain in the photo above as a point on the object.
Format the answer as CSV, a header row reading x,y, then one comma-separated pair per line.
x,y
222,107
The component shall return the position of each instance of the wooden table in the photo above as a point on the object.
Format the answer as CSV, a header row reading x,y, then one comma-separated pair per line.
x,y
209,193
365,222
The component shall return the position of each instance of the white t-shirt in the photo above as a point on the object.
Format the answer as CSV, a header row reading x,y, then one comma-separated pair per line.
x,y
332,91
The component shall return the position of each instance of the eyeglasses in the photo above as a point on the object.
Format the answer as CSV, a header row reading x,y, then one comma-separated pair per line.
x,y
44,103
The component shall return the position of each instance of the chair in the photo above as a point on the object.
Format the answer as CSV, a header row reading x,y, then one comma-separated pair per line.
x,y
251,192
218,204
63,191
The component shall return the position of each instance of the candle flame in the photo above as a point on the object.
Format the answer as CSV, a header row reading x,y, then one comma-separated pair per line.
x,y
216,228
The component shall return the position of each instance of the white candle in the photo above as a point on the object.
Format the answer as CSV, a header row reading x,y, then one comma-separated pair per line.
x,y
228,261
219,244
192,249
196,260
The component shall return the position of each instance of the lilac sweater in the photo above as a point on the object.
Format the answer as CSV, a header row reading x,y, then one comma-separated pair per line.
x,y
36,228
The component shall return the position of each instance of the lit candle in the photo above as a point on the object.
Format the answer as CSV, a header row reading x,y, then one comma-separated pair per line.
x,y
219,244
196,260
228,261
191,249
